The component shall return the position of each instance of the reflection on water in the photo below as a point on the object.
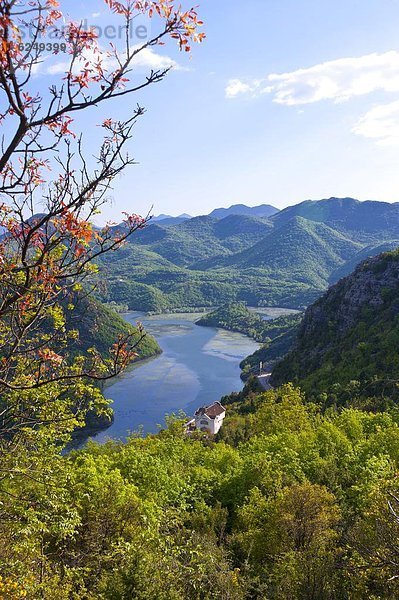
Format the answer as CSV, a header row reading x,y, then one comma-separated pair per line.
x,y
226,345
198,366
167,329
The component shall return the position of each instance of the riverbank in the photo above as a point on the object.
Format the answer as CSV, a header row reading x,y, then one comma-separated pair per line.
x,y
263,328
197,366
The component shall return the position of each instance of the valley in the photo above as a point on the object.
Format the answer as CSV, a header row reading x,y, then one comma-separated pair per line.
x,y
261,257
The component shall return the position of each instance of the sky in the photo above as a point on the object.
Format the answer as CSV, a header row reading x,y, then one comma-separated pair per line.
x,y
285,101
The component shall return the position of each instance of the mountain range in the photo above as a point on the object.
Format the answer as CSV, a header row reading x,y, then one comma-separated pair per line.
x,y
264,210
287,258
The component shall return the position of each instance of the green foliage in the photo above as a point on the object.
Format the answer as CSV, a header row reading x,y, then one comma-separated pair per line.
x,y
287,511
99,327
236,317
303,249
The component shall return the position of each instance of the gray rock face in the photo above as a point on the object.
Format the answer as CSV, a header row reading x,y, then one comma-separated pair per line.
x,y
343,303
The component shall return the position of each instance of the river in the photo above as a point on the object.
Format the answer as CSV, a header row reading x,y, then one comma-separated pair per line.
x,y
198,365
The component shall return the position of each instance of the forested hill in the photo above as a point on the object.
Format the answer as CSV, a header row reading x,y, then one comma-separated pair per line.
x,y
237,317
100,326
300,249
350,337
288,258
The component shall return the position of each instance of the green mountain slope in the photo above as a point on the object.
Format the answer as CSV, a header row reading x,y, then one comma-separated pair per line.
x,y
361,256
201,237
300,246
302,250
361,220
99,327
351,334
190,241
237,232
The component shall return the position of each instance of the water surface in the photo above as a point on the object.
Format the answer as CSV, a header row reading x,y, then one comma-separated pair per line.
x,y
198,366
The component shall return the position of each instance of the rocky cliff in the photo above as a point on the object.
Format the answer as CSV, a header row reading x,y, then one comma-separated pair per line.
x,y
351,334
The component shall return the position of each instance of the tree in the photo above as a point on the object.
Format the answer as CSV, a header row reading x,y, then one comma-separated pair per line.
x,y
289,542
45,258
373,566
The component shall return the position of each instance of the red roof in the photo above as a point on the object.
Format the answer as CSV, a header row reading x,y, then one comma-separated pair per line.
x,y
212,411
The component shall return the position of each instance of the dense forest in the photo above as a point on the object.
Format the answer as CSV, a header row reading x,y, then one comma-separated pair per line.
x,y
98,326
297,496
289,503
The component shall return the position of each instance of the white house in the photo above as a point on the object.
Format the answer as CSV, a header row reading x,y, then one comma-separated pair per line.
x,y
210,418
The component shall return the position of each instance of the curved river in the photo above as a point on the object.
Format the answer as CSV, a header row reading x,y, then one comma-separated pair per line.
x,y
198,366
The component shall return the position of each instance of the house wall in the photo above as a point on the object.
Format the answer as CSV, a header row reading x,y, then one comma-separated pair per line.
x,y
212,425
203,422
218,422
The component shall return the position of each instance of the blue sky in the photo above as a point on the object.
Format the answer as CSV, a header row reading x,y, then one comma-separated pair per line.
x,y
266,111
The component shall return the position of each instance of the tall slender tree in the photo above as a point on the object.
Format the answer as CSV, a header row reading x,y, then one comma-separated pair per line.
x,y
50,190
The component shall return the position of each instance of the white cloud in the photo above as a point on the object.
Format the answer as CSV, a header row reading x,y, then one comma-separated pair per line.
x,y
381,123
57,68
236,87
335,80
149,59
